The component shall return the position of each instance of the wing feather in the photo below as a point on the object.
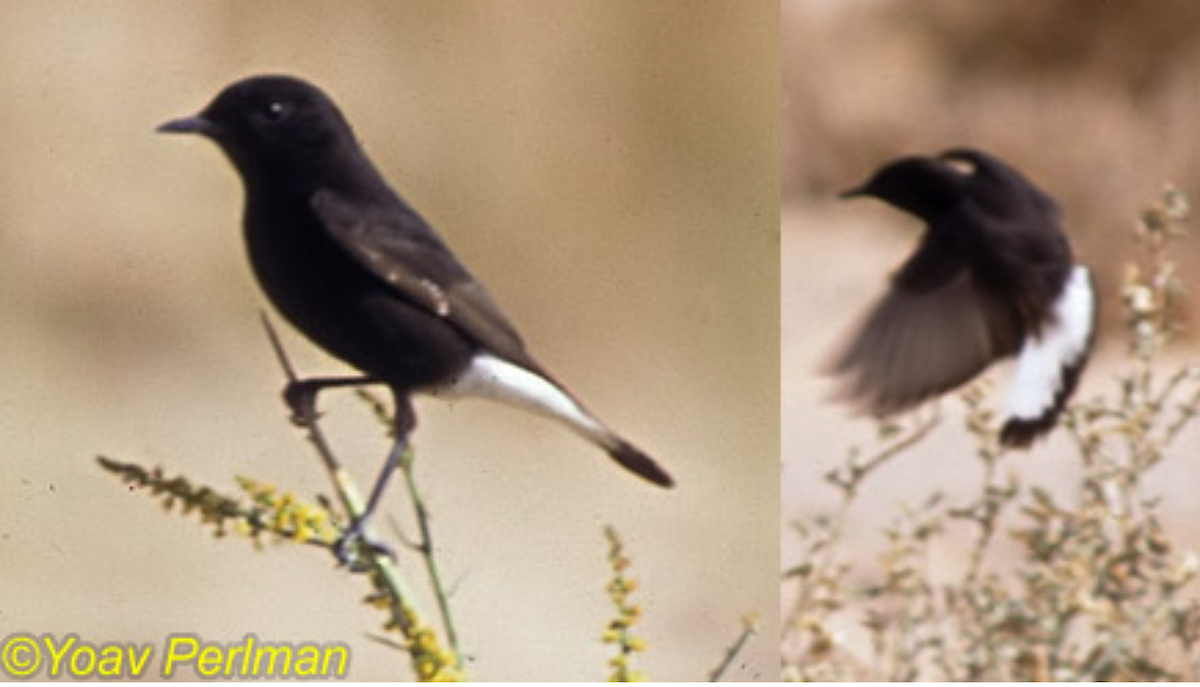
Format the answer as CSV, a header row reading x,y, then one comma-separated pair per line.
x,y
914,345
406,256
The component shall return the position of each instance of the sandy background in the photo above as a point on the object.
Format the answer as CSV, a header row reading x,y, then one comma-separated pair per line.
x,y
608,167
1097,102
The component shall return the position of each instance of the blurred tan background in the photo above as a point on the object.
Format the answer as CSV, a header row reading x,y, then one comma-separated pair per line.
x,y
608,167
1098,103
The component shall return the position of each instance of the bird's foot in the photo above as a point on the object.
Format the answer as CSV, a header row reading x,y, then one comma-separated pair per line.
x,y
301,399
352,549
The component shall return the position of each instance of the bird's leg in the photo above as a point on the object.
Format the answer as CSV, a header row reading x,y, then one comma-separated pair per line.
x,y
356,534
403,423
301,394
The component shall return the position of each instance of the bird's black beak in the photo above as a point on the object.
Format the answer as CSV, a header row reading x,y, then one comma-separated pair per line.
x,y
196,124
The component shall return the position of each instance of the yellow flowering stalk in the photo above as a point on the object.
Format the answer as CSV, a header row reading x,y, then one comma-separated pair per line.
x,y
291,519
620,628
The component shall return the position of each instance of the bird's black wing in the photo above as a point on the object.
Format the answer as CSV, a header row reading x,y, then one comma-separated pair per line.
x,y
1019,248
420,270
932,331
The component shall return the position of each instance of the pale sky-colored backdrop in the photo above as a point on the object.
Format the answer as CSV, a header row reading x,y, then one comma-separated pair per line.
x,y
608,167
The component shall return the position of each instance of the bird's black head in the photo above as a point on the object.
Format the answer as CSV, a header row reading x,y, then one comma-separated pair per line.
x,y
274,125
923,186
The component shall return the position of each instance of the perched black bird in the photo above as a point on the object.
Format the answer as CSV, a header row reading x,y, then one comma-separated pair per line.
x,y
992,277
358,271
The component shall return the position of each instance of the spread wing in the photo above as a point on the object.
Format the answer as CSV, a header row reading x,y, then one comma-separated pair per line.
x,y
932,331
400,250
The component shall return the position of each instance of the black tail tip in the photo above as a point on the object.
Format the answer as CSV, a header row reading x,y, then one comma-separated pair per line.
x,y
642,465
1022,433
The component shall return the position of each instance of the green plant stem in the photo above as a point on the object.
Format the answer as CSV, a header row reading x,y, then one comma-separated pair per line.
x,y
748,631
425,546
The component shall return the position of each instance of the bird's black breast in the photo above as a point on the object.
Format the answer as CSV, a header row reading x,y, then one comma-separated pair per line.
x,y
337,303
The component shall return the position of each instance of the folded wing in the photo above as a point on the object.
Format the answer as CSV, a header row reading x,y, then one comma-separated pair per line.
x,y
420,270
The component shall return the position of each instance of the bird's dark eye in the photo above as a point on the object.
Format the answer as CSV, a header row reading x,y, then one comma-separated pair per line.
x,y
276,111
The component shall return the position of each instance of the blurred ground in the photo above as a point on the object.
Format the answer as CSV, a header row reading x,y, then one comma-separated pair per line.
x,y
1096,101
609,168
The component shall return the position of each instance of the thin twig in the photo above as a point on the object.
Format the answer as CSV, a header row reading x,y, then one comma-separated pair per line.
x,y
749,629
857,472
1187,410
407,463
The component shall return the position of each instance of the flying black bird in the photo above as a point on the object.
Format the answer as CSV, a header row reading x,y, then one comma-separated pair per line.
x,y
358,271
992,277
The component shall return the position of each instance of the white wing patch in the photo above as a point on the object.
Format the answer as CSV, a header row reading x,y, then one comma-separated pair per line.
x,y
490,377
1044,360
441,302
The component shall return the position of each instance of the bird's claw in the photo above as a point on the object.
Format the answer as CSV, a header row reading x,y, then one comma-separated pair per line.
x,y
301,398
351,546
